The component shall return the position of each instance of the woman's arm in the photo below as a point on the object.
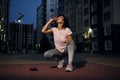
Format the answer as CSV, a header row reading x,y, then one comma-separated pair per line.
x,y
45,28
68,39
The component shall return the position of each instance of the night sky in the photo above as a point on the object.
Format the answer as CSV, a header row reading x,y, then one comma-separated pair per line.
x,y
26,7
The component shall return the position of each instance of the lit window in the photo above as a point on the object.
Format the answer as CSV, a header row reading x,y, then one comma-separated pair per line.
x,y
93,7
107,30
94,33
108,45
94,20
52,5
107,16
94,45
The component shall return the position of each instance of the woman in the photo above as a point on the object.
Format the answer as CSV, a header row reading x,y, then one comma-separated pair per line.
x,y
63,42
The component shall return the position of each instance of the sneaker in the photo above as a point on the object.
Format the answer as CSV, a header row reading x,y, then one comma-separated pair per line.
x,y
60,63
69,68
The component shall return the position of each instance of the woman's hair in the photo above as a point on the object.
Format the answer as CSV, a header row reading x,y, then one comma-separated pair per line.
x,y
66,22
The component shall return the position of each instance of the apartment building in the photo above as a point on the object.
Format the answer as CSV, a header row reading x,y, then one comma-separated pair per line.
x,y
45,11
21,37
41,20
4,19
95,24
73,10
111,25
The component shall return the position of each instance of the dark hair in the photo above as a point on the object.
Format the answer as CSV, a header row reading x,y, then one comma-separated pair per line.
x,y
66,22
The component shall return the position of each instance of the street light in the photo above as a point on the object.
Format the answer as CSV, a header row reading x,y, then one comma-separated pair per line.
x,y
87,36
20,17
1,30
90,31
19,39
2,35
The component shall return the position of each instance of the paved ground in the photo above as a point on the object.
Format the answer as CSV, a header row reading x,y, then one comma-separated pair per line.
x,y
88,72
110,60
38,58
17,67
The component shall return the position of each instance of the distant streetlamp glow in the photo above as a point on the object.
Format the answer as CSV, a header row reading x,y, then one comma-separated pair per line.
x,y
0,27
38,45
19,21
1,30
90,31
20,17
2,19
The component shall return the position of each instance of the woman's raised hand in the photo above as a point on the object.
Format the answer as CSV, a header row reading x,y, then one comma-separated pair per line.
x,y
53,19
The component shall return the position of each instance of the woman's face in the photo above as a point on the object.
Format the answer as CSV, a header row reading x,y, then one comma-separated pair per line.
x,y
60,20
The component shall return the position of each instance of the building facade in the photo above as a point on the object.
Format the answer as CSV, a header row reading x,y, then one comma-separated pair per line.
x,y
21,37
45,11
4,19
111,21
94,23
51,8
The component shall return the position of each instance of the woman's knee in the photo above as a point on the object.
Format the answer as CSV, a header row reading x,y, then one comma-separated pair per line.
x,y
51,53
48,54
